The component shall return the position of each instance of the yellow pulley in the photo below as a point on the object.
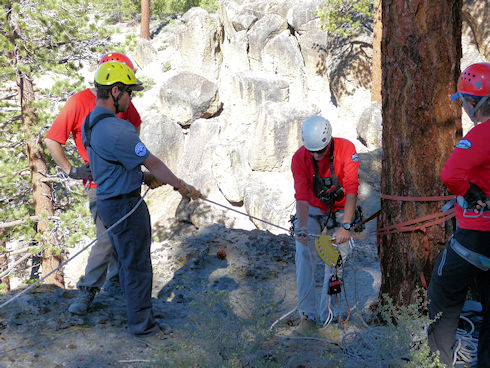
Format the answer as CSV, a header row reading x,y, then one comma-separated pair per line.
x,y
327,250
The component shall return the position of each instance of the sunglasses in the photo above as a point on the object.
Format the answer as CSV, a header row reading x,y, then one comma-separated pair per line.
x,y
320,151
130,91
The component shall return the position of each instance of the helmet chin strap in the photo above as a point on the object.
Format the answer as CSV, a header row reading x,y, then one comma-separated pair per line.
x,y
472,110
116,99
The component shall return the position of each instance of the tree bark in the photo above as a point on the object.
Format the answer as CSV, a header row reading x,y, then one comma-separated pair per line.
x,y
43,206
376,66
145,19
421,52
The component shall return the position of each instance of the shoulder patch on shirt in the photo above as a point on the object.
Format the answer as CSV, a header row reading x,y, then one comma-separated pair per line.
x,y
464,144
140,149
355,157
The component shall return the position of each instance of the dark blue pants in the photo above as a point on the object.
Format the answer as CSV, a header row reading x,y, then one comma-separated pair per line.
x,y
131,240
451,278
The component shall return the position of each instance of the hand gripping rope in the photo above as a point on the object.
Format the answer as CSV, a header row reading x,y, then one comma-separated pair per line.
x,y
76,254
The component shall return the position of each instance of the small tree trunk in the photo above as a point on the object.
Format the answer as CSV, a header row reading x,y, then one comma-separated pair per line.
x,y
43,206
421,51
145,19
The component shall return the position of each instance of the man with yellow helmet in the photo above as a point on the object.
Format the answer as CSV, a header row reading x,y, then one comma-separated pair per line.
x,y
116,154
101,270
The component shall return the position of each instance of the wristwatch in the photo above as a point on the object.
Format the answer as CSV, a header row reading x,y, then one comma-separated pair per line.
x,y
346,225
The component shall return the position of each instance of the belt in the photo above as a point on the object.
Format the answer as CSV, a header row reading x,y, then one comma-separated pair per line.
x,y
134,193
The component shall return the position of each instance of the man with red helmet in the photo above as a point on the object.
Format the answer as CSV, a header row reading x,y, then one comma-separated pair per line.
x,y
102,263
467,255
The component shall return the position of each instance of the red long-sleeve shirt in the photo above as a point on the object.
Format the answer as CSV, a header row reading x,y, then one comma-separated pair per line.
x,y
71,118
345,165
470,162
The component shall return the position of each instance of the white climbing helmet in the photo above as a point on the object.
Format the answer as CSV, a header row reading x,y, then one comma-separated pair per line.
x,y
316,133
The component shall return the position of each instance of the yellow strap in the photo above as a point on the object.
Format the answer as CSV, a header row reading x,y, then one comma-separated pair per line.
x,y
326,250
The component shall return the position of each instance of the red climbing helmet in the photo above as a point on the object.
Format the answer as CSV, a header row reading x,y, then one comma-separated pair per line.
x,y
118,57
474,81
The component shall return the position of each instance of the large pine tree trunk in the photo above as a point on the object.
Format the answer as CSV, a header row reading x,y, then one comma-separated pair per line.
x,y
43,206
421,51
376,66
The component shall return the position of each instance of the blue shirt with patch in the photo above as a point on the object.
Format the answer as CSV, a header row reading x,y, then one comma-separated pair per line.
x,y
115,154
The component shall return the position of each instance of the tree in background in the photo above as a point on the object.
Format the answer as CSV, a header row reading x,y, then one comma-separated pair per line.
x,y
43,45
145,19
420,59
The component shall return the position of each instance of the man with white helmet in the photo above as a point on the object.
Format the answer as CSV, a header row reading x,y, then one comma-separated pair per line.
x,y
467,256
325,172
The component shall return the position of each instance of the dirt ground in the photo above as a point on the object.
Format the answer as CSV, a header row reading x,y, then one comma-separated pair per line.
x,y
36,330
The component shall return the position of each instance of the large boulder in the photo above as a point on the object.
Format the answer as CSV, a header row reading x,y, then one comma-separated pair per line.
x,y
186,97
281,55
199,44
370,126
302,16
260,34
230,170
164,138
270,197
277,135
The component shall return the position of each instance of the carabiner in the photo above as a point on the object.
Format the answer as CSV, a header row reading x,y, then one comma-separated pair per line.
x,y
473,214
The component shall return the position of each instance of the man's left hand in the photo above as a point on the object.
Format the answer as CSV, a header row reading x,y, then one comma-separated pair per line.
x,y
341,235
151,181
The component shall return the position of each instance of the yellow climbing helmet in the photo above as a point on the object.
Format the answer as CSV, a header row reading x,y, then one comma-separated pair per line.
x,y
114,72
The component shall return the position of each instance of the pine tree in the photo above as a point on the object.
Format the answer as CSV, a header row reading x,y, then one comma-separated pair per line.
x,y
43,46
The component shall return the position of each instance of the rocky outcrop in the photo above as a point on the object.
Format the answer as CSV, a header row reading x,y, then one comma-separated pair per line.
x,y
239,85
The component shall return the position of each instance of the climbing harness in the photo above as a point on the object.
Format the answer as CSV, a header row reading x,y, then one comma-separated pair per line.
x,y
76,254
476,259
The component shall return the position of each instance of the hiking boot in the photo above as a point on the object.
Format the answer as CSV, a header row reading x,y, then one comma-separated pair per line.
x,y
307,326
153,341
82,301
112,288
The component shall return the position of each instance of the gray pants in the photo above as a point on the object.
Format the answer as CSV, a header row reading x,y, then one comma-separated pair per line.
x,y
102,261
306,260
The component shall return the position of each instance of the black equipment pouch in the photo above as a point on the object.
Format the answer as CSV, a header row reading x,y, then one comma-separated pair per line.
x,y
333,285
328,189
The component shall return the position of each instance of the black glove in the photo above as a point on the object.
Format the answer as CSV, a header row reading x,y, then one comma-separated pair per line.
x,y
82,172
473,195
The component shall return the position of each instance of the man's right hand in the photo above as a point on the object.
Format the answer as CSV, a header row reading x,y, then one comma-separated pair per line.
x,y
189,191
302,236
82,173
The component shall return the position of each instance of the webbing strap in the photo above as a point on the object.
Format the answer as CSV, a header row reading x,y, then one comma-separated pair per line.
x,y
87,128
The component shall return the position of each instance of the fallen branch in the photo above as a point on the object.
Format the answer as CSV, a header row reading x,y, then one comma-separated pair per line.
x,y
15,264
6,225
135,361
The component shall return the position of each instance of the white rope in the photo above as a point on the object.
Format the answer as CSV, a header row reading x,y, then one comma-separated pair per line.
x,y
466,348
76,254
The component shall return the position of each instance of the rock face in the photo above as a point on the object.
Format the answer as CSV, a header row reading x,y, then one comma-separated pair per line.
x,y
238,84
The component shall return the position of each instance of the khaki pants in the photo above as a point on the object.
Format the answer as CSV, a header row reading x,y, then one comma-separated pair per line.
x,y
102,260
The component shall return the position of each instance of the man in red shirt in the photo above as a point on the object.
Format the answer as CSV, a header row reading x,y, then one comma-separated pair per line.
x,y
325,172
467,255
102,263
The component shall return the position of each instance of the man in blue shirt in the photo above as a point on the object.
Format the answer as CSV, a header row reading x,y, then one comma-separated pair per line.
x,y
116,154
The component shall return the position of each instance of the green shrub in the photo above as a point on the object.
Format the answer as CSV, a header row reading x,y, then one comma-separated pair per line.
x,y
346,18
